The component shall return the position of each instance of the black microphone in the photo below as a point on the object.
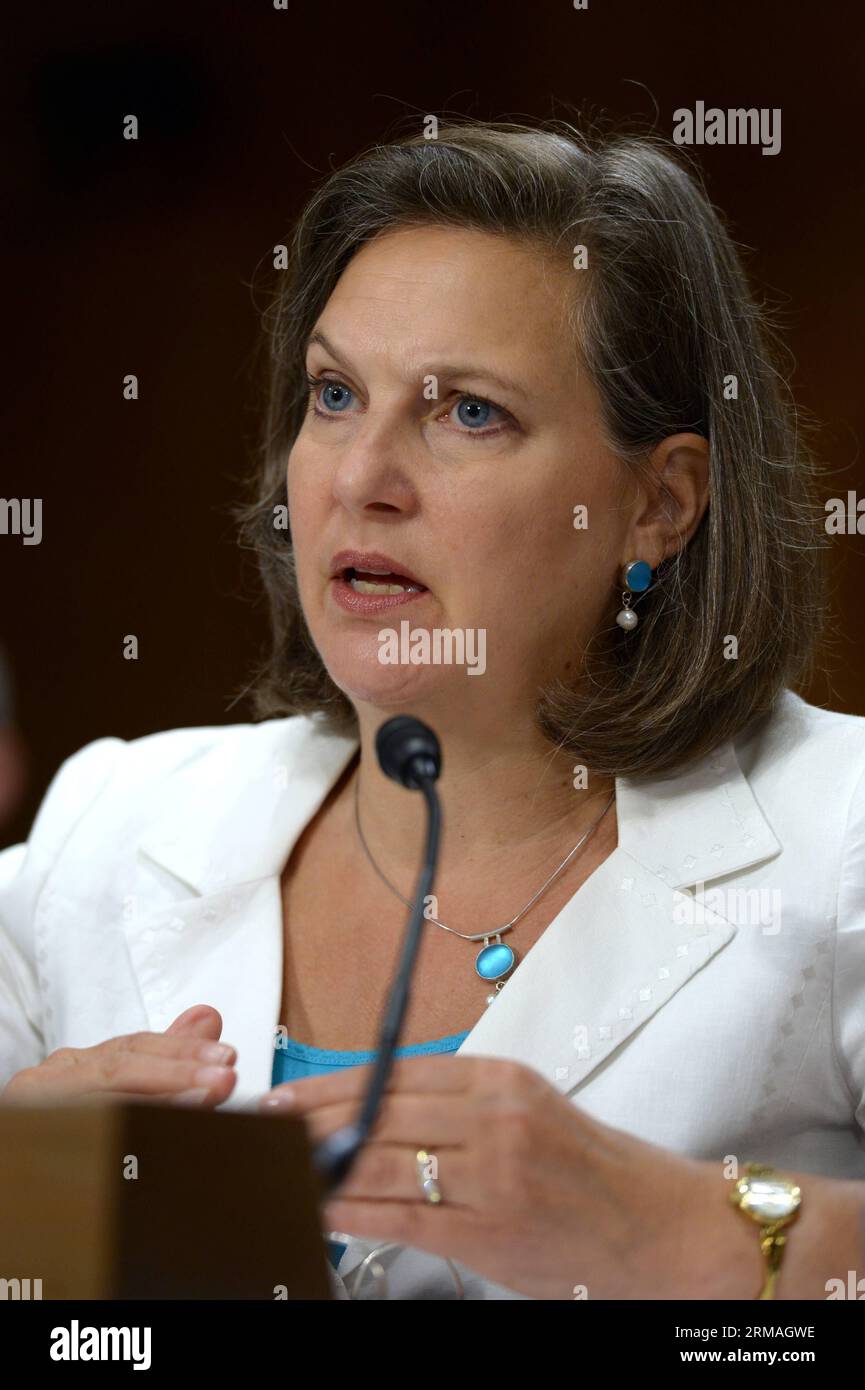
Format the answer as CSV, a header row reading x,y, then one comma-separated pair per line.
x,y
408,752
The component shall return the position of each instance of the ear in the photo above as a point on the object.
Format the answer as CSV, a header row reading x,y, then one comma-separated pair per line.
x,y
674,497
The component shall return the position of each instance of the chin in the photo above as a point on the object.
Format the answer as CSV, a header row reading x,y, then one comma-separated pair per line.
x,y
395,690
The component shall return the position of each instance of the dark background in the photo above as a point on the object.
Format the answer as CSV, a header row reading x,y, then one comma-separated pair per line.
x,y
137,257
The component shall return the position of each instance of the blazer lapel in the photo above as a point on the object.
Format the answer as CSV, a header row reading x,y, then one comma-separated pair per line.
x,y
630,938
235,816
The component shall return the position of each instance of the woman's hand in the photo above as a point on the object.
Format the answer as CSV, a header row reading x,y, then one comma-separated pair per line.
x,y
185,1065
536,1195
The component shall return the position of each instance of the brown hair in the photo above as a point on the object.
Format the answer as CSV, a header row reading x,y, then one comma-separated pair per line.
x,y
663,318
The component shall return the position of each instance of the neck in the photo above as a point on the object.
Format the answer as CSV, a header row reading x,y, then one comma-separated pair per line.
x,y
501,796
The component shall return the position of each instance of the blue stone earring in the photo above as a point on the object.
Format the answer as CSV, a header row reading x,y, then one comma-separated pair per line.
x,y
636,577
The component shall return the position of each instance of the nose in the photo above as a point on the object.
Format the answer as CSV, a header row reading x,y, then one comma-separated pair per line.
x,y
373,471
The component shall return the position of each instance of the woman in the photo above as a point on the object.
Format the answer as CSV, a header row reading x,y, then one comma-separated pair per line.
x,y
510,366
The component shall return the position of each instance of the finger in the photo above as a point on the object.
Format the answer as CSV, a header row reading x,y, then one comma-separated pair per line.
x,y
394,1172
139,1075
201,1020
413,1121
179,1045
443,1074
38,1087
151,1075
198,1099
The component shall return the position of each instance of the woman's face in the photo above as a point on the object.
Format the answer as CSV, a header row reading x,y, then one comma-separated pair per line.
x,y
451,439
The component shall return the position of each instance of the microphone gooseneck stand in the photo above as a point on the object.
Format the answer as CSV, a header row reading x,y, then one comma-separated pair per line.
x,y
408,752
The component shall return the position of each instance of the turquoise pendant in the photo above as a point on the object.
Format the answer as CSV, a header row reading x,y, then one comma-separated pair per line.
x,y
494,961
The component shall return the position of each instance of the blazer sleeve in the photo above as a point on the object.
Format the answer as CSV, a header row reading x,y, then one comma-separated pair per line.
x,y
24,872
849,977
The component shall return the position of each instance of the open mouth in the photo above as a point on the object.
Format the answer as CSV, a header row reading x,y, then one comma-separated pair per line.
x,y
380,582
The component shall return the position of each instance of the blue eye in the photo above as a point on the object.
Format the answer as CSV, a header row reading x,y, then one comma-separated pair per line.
x,y
472,412
481,417
334,396
330,397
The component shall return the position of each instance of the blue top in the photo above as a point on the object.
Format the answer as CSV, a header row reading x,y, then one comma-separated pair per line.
x,y
293,1060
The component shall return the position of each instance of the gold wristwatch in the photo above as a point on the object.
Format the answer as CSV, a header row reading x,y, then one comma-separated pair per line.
x,y
773,1201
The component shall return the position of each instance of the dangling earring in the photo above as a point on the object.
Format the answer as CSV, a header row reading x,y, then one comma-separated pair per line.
x,y
636,577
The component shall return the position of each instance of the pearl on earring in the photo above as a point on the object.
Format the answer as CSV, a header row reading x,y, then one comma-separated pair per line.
x,y
627,618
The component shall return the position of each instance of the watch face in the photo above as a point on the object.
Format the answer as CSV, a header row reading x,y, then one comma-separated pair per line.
x,y
769,1199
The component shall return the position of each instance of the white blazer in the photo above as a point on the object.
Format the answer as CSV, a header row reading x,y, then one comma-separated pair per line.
x,y
704,989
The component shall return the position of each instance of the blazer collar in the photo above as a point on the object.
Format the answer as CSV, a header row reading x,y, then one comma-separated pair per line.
x,y
620,948
235,814
630,938
696,825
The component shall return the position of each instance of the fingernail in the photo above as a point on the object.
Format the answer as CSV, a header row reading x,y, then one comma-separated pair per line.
x,y
215,1052
210,1076
283,1099
191,1097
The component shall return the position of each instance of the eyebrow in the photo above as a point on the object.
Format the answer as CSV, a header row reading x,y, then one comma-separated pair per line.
x,y
319,339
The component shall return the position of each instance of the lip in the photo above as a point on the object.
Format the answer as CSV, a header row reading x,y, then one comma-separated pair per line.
x,y
370,560
369,605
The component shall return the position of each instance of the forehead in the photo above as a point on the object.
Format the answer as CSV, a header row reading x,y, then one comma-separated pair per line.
x,y
426,292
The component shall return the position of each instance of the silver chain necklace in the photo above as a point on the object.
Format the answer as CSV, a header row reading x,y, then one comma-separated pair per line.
x,y
495,958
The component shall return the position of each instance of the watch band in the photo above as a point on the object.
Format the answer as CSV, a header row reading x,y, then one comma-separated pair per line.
x,y
773,1202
